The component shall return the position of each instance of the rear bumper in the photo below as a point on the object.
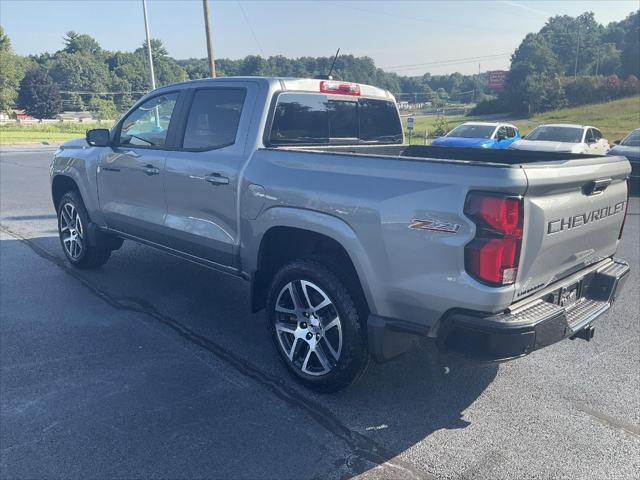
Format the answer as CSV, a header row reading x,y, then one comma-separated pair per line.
x,y
527,327
536,324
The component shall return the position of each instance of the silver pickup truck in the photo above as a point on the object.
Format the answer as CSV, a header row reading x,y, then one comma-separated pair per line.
x,y
355,243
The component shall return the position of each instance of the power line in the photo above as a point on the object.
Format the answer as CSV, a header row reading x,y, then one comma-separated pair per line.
x,y
448,62
253,33
429,21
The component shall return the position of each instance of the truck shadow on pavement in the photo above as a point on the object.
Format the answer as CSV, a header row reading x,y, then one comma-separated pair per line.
x,y
394,407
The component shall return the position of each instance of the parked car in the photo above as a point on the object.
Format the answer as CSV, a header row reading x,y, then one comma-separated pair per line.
x,y
630,148
564,138
355,243
480,134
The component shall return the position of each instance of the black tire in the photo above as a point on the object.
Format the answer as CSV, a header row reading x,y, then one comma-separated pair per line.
x,y
87,255
353,357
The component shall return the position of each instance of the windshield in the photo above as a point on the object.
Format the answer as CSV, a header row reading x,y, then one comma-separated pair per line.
x,y
632,140
556,134
472,131
308,119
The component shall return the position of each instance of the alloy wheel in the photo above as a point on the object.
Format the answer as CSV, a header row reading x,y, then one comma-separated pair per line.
x,y
71,231
308,327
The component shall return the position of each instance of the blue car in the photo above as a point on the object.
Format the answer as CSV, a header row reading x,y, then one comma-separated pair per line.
x,y
480,135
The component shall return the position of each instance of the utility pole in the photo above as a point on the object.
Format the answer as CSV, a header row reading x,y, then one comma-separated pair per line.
x,y
575,68
146,29
207,29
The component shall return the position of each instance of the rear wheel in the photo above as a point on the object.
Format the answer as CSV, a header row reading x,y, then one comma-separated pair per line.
x,y
316,327
72,229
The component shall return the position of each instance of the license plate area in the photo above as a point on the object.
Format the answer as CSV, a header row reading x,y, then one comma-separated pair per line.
x,y
569,295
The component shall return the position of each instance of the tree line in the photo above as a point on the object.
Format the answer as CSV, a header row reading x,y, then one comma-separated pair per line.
x,y
84,76
570,61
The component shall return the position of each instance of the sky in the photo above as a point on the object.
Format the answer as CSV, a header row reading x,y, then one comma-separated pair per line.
x,y
409,38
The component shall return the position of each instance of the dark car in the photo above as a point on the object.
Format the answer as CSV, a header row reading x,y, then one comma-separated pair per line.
x,y
630,148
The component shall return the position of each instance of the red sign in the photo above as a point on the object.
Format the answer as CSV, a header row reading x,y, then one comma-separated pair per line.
x,y
497,79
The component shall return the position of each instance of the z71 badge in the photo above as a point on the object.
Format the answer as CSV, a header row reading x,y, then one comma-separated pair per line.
x,y
434,226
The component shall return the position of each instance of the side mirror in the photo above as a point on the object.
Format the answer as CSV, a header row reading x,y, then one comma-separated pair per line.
x,y
98,137
617,142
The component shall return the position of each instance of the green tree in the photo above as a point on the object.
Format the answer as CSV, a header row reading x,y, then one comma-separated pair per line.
x,y
81,43
39,95
11,73
78,72
166,68
103,109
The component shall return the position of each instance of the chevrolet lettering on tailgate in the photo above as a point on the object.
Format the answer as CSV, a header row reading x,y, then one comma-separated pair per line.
x,y
574,221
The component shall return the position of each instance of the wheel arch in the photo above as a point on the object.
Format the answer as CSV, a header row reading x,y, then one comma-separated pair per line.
x,y
293,233
61,184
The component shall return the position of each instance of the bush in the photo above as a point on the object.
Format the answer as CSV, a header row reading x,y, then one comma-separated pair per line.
x,y
595,89
488,107
38,95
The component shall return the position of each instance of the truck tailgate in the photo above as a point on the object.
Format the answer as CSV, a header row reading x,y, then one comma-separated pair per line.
x,y
573,214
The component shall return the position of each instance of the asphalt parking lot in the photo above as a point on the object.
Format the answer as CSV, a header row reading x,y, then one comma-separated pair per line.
x,y
154,367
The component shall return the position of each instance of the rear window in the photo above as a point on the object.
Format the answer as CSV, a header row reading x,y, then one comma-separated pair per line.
x,y
556,134
308,119
632,140
472,131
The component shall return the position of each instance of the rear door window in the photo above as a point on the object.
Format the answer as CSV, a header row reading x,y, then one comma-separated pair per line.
x,y
308,119
213,118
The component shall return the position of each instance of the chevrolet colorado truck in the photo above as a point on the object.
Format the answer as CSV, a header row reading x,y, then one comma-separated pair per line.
x,y
355,243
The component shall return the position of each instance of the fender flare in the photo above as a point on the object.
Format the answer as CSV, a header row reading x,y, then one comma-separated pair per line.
x,y
317,222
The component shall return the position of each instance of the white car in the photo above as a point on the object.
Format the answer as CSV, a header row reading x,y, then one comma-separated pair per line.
x,y
564,138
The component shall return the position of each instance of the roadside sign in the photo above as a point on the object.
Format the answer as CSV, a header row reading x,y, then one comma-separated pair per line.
x,y
410,123
496,79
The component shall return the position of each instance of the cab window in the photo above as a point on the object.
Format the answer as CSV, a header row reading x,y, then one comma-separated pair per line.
x,y
148,124
213,118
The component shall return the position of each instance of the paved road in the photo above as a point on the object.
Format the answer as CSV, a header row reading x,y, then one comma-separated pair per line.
x,y
153,367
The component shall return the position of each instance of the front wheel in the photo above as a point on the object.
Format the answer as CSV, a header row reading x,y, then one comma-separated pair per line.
x,y
72,229
316,326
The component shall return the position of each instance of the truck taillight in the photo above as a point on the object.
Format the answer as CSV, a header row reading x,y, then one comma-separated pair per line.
x,y
341,88
493,255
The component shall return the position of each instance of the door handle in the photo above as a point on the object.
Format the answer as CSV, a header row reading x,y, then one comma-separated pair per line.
x,y
217,179
150,170
597,186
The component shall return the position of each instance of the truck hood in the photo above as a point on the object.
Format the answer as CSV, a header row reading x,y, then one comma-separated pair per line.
x,y
75,143
545,146
461,142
